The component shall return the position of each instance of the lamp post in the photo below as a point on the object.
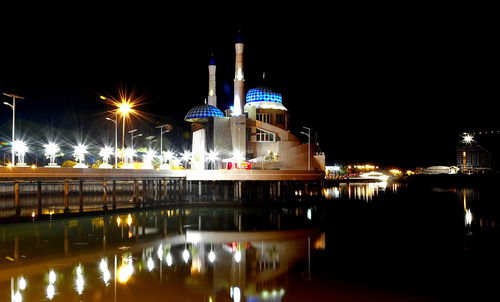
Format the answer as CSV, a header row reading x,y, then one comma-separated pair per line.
x,y
13,107
161,136
132,136
308,146
149,138
115,121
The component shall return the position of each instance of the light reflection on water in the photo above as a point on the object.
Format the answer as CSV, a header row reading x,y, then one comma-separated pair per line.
x,y
142,256
365,191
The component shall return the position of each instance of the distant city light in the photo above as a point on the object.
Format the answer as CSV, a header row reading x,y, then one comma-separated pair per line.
x,y
185,255
211,256
106,153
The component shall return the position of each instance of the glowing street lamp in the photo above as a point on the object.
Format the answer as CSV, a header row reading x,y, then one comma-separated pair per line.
x,y
147,160
19,148
13,107
51,150
212,157
105,153
79,154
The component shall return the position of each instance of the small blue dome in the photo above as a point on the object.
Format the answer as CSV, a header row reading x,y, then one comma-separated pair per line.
x,y
263,94
196,114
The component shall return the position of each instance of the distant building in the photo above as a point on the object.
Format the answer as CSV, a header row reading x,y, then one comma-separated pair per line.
x,y
438,170
472,157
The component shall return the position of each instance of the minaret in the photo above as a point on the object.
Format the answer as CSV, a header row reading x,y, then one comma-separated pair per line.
x,y
239,97
212,96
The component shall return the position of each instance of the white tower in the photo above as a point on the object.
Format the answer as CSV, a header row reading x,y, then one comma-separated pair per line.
x,y
212,96
238,120
239,79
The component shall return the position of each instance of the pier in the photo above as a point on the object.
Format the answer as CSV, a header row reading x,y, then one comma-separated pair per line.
x,y
37,191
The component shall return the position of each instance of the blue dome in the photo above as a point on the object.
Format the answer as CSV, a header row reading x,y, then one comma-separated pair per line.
x,y
196,114
263,94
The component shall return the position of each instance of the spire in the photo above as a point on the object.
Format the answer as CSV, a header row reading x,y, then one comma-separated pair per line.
x,y
239,96
212,96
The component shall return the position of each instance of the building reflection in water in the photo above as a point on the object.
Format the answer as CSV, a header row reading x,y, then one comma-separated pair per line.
x,y
216,263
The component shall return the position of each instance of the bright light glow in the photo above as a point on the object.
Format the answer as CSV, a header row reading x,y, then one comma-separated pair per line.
x,y
336,168
106,275
52,277
186,156
106,153
79,282
185,255
126,270
309,214
211,256
160,252
22,283
51,148
50,291
237,106
169,259
237,256
151,264
124,108
129,154
236,294
148,157
468,138
17,297
212,156
19,147
79,153
468,217
129,220
168,156
238,156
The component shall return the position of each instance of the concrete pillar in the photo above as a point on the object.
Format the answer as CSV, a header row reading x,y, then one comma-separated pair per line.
x,y
144,191
66,196
39,196
165,189
199,189
105,195
17,201
114,195
136,193
80,195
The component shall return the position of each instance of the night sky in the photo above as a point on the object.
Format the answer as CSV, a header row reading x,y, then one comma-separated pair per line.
x,y
390,86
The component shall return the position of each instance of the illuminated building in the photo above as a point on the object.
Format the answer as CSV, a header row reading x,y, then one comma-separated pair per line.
x,y
472,157
254,131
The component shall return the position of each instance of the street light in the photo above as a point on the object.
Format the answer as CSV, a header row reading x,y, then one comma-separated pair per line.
x,y
167,129
115,121
149,138
132,136
308,146
124,108
13,107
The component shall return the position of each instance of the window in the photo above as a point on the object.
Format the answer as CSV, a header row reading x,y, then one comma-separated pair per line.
x,y
264,117
280,119
264,136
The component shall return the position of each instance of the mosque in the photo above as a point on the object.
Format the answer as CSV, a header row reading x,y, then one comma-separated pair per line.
x,y
253,134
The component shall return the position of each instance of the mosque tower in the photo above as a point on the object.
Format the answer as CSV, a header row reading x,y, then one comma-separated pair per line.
x,y
212,96
238,119
239,94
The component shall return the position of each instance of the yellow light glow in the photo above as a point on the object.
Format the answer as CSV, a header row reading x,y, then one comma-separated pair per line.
x,y
124,108
118,221
129,220
33,166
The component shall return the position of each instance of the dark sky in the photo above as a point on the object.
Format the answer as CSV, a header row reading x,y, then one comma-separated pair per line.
x,y
390,85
